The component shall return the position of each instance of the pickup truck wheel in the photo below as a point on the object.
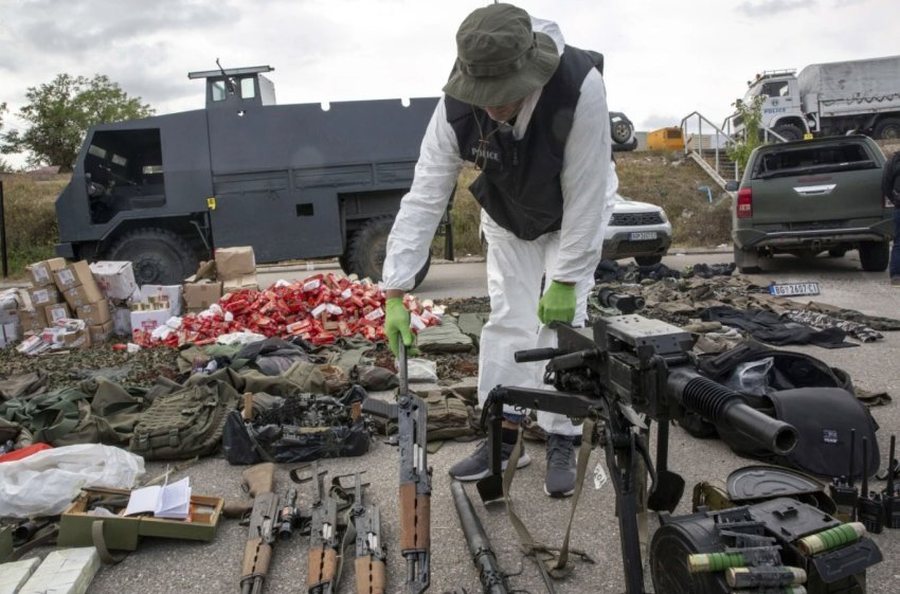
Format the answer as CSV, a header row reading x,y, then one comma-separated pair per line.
x,y
888,129
647,260
158,256
874,255
365,256
789,132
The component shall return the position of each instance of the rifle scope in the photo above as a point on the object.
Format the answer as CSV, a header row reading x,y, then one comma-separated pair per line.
x,y
627,304
716,403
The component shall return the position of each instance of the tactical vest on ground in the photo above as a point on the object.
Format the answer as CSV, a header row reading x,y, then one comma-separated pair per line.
x,y
519,186
185,424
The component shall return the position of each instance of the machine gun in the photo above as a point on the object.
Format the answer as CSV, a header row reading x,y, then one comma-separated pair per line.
x,y
272,517
370,553
626,371
415,484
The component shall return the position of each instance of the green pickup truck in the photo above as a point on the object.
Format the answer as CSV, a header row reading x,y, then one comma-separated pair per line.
x,y
811,196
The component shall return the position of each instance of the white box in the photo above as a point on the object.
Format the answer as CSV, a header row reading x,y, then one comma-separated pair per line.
x,y
14,574
64,571
148,320
170,292
116,279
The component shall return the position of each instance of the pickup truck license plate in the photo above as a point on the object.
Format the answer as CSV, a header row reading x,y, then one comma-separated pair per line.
x,y
792,289
642,235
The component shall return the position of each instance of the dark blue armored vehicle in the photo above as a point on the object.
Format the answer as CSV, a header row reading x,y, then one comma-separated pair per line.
x,y
293,181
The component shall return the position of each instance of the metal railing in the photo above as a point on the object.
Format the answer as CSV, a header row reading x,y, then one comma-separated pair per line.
x,y
722,169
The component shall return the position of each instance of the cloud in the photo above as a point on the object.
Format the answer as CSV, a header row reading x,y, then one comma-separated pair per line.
x,y
655,121
764,8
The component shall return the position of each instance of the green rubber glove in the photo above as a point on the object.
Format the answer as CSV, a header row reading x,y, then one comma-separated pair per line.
x,y
557,304
396,324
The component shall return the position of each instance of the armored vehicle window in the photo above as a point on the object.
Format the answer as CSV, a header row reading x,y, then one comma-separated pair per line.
x,y
218,90
125,168
813,159
774,89
248,89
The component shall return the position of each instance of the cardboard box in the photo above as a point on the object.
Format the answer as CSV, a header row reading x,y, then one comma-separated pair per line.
x,y
200,295
115,279
232,262
12,299
124,532
73,275
10,327
94,314
163,294
32,320
41,273
41,296
82,295
148,320
100,333
57,311
247,281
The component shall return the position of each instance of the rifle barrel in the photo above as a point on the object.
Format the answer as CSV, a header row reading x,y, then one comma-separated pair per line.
x,y
493,580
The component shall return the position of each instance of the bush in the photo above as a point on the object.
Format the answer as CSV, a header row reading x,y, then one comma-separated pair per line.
x,y
31,229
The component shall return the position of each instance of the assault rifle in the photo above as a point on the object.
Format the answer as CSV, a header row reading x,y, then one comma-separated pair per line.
x,y
370,554
268,521
324,544
415,484
626,371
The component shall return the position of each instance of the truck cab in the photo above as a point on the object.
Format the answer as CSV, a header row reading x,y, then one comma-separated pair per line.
x,y
781,109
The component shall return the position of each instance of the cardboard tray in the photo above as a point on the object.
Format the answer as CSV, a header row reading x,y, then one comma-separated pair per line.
x,y
123,533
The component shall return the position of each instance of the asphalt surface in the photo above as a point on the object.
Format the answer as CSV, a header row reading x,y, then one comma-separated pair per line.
x,y
165,566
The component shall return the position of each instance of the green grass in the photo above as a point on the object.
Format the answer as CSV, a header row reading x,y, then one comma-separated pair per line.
x,y
31,230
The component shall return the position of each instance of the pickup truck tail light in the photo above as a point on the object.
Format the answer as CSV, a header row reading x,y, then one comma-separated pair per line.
x,y
744,203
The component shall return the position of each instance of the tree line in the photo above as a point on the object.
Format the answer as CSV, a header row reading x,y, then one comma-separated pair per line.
x,y
58,114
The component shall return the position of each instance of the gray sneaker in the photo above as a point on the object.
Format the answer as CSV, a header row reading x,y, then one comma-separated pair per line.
x,y
560,479
476,465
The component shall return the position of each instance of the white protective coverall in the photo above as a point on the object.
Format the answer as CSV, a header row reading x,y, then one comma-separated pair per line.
x,y
515,266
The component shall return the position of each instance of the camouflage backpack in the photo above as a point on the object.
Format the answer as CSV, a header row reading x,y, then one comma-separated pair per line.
x,y
184,424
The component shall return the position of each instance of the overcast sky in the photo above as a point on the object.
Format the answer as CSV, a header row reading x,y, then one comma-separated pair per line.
x,y
664,59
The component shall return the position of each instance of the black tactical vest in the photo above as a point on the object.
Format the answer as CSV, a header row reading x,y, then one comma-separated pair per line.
x,y
519,185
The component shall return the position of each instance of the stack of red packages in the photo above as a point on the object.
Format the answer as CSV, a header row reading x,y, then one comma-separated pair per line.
x,y
320,309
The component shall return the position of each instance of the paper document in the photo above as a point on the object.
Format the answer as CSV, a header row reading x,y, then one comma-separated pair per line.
x,y
167,501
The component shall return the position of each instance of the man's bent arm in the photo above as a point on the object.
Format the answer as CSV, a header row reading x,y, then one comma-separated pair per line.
x,y
423,206
585,176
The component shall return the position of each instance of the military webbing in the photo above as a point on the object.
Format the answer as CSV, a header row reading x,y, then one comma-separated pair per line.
x,y
555,560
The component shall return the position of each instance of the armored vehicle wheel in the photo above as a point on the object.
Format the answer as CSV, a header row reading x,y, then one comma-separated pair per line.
x,y
366,253
159,256
874,255
789,132
647,260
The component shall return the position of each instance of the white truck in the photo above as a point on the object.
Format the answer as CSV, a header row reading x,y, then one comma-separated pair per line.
x,y
836,98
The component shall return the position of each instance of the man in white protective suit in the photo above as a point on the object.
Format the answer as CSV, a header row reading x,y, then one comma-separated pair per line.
x,y
530,113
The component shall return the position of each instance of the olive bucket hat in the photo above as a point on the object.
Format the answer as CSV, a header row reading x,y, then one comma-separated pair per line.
x,y
499,58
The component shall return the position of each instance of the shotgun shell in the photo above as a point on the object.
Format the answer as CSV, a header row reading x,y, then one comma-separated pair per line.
x,y
831,538
755,577
706,562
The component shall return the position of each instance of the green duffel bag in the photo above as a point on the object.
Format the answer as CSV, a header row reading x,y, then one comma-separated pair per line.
x,y
184,424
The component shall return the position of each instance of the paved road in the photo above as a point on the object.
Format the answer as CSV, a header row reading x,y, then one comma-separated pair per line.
x,y
167,566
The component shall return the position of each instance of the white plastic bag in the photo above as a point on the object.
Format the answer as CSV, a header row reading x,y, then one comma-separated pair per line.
x,y
421,370
751,377
43,484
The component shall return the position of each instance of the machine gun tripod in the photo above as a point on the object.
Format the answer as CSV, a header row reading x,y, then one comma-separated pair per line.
x,y
625,371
